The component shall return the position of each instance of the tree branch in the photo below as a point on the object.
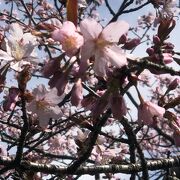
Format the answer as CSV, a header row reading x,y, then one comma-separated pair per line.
x,y
113,168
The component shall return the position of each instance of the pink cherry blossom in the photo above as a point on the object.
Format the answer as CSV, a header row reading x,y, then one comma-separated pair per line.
x,y
69,37
45,105
147,111
101,43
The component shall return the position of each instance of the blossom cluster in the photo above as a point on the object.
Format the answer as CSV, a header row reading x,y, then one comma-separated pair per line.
x,y
77,89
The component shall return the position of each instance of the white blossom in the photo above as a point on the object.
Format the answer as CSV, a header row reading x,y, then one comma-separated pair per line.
x,y
19,48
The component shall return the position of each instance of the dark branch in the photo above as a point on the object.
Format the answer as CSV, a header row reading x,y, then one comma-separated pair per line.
x,y
127,169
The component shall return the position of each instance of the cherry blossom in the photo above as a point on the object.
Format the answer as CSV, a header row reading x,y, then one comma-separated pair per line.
x,y
82,3
69,37
45,105
168,7
147,111
19,48
75,107
101,43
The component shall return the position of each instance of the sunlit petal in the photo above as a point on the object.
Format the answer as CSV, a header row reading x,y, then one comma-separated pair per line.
x,y
114,31
5,56
16,31
100,64
87,50
115,56
90,29
29,38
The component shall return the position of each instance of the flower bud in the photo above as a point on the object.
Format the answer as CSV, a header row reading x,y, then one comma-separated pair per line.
x,y
132,43
118,106
77,95
156,40
173,85
123,39
59,80
82,68
167,58
150,51
88,102
51,67
168,45
100,106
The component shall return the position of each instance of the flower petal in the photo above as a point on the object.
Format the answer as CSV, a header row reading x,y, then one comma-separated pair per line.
x,y
52,98
15,31
29,38
90,29
39,92
5,56
69,28
115,56
28,49
87,50
156,110
100,64
18,66
114,31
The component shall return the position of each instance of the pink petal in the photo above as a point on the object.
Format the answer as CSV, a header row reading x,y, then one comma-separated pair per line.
x,y
52,98
39,92
100,64
55,35
90,29
147,111
115,56
144,116
114,31
155,110
87,50
69,28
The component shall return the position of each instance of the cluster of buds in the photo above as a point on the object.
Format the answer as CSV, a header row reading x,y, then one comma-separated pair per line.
x,y
162,52
166,8
58,77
